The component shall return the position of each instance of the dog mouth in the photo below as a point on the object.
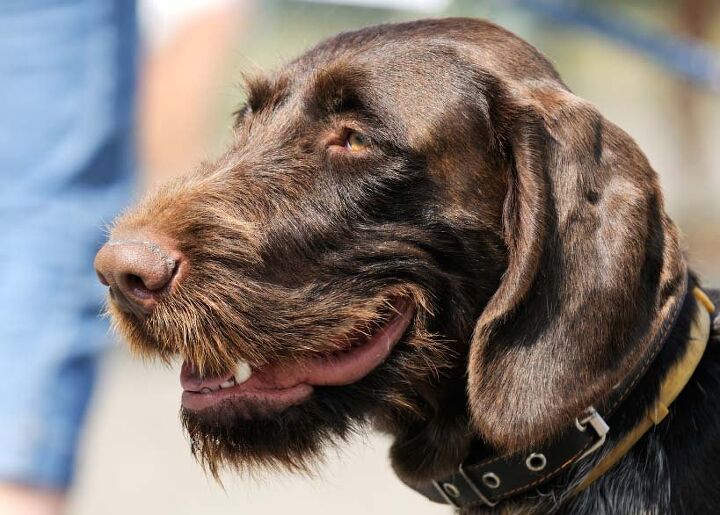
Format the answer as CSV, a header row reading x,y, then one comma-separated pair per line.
x,y
276,386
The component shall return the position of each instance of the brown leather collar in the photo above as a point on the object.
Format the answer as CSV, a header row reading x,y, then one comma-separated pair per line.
x,y
495,479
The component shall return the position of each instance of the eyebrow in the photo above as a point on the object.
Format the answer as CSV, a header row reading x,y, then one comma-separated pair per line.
x,y
264,93
338,88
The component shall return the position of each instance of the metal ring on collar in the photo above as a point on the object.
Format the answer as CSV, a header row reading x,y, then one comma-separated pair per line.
x,y
536,462
491,480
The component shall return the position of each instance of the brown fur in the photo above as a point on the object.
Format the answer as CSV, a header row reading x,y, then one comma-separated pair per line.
x,y
529,230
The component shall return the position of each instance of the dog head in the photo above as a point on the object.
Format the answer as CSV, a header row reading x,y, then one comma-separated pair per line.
x,y
418,226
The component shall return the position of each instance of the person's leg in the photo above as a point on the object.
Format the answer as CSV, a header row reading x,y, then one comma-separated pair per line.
x,y
178,106
16,499
67,79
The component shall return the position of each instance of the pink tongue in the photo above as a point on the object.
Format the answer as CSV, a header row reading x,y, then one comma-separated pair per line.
x,y
338,369
341,368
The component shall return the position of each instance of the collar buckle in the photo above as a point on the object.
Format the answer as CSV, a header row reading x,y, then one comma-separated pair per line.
x,y
593,420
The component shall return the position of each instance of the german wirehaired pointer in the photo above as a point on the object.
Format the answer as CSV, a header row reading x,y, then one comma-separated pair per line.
x,y
419,228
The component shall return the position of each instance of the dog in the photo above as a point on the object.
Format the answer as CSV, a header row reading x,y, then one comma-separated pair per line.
x,y
419,228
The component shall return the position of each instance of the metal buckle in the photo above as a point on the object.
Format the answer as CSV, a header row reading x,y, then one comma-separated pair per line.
x,y
598,424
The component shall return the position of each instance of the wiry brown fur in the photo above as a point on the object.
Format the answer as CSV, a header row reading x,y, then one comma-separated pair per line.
x,y
529,231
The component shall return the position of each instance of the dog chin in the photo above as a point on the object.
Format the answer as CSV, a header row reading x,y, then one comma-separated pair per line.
x,y
236,435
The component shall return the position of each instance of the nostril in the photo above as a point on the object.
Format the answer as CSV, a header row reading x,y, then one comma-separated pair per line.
x,y
144,285
135,285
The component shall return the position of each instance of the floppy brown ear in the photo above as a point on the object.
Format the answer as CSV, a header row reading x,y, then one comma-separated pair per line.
x,y
594,268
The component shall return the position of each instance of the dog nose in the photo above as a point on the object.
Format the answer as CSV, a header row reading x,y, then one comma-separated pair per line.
x,y
137,270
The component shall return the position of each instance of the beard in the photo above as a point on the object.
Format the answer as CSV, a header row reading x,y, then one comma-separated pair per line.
x,y
246,438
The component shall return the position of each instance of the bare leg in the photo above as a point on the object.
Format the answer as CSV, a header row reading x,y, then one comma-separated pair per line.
x,y
24,500
181,80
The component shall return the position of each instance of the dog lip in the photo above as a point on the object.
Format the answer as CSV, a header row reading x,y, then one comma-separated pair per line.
x,y
283,384
272,399
191,381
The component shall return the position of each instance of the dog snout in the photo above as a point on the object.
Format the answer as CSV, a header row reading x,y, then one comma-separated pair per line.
x,y
138,270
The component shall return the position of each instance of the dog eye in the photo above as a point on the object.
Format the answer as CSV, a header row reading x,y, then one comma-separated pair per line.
x,y
356,141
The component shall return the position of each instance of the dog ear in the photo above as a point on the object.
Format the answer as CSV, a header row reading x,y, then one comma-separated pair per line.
x,y
594,267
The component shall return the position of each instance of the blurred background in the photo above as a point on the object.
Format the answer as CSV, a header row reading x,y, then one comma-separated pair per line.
x,y
652,67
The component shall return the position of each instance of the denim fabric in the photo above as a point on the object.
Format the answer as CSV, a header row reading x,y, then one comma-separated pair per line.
x,y
67,80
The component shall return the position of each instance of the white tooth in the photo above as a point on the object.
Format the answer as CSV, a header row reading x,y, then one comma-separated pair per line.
x,y
229,383
205,390
242,372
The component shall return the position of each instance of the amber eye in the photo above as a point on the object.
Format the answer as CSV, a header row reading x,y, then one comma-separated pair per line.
x,y
356,141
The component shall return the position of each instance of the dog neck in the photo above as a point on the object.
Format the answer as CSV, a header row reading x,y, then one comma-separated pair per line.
x,y
485,481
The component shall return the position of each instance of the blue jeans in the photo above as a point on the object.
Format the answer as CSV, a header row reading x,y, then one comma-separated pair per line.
x,y
67,82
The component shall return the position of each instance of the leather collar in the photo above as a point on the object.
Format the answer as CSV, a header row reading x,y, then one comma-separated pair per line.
x,y
495,479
